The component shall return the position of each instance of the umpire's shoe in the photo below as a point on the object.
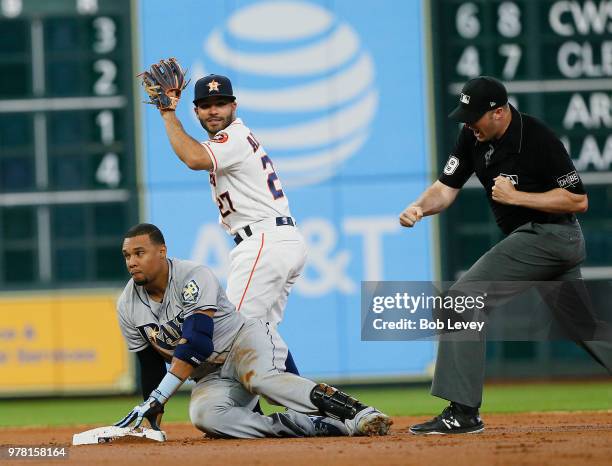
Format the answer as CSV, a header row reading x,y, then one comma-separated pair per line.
x,y
453,420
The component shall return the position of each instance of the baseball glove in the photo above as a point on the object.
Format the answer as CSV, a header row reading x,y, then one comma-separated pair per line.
x,y
163,83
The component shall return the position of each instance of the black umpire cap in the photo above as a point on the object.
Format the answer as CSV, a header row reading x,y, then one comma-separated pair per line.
x,y
213,85
478,96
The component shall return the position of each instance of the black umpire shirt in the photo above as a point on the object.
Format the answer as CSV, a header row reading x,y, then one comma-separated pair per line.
x,y
529,154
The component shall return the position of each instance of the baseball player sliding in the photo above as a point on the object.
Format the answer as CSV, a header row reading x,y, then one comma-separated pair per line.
x,y
270,252
175,310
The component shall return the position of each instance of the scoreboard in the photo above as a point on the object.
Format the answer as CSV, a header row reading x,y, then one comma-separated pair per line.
x,y
555,57
68,186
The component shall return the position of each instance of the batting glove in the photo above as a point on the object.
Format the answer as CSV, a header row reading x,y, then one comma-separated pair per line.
x,y
150,410
154,406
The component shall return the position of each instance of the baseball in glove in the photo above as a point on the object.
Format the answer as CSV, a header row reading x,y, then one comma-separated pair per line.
x,y
163,83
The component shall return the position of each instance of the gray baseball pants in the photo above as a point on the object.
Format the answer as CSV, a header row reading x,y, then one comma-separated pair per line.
x,y
532,252
222,402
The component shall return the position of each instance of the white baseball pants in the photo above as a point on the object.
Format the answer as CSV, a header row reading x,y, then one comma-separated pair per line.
x,y
263,269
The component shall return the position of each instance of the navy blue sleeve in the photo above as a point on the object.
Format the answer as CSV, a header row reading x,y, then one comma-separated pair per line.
x,y
196,344
152,370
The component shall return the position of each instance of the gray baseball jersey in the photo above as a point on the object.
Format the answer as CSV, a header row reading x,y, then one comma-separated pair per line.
x,y
191,287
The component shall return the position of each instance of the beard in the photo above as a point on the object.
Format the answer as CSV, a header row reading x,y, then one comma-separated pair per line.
x,y
142,282
226,122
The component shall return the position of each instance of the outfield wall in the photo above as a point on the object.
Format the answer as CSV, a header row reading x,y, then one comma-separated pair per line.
x,y
338,97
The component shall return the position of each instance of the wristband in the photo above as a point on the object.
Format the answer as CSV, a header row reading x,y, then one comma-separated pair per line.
x,y
167,387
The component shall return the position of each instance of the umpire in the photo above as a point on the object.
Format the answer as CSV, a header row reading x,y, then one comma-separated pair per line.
x,y
534,192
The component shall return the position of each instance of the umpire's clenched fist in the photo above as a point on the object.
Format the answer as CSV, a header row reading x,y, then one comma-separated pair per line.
x,y
411,215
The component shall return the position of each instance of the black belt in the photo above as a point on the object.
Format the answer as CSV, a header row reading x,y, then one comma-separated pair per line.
x,y
280,221
561,219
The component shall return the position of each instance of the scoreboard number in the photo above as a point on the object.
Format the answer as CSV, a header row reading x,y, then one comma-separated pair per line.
x,y
466,21
11,8
108,172
105,85
106,38
509,19
469,63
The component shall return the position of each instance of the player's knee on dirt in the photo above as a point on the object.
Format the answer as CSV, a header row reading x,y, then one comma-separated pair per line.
x,y
212,420
196,343
333,403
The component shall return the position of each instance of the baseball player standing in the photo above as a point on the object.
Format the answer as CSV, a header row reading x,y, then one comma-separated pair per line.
x,y
534,192
270,252
175,310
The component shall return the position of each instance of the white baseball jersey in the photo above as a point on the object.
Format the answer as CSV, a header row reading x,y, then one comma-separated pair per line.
x,y
191,287
243,182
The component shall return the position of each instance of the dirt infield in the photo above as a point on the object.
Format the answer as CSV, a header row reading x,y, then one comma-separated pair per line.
x,y
516,439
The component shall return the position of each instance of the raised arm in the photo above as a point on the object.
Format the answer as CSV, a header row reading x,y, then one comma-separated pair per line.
x,y
434,199
190,151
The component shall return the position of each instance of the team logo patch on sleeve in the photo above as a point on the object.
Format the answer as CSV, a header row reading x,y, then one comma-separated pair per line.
x,y
571,179
191,292
451,165
220,137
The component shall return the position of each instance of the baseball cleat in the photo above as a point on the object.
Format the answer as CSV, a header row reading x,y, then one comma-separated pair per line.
x,y
451,421
369,422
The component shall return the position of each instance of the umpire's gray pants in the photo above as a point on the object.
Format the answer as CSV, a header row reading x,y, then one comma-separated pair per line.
x,y
532,252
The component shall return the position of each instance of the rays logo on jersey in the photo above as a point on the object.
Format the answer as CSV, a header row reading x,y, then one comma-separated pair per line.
x,y
312,86
163,337
191,292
